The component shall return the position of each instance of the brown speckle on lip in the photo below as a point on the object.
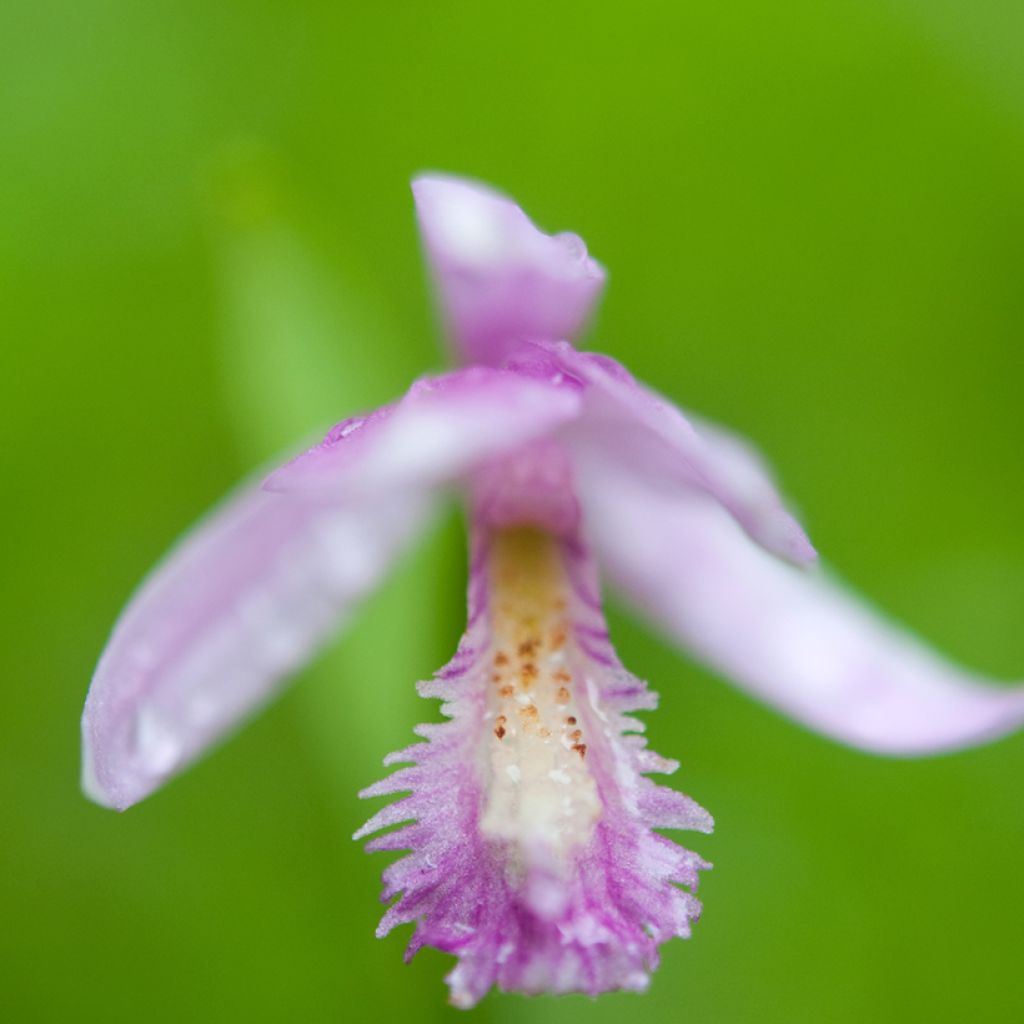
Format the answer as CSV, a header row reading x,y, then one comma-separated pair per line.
x,y
536,785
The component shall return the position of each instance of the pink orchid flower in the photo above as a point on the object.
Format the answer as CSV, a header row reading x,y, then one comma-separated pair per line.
x,y
530,818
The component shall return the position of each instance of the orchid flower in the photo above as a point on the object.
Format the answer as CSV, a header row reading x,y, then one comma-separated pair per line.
x,y
529,818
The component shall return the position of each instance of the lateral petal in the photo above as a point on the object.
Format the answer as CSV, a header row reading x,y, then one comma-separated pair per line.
x,y
793,637
238,605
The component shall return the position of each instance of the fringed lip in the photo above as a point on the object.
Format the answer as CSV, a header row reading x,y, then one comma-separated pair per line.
x,y
529,820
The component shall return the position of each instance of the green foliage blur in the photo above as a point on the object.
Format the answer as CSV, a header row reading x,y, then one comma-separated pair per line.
x,y
812,213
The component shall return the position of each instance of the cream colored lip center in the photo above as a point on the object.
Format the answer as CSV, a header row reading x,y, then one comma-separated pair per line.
x,y
541,795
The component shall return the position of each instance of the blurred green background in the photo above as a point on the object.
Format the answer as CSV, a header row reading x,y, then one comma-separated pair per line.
x,y
812,214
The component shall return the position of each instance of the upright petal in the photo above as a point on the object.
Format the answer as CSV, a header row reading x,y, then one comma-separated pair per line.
x,y
793,637
631,420
498,277
529,818
237,606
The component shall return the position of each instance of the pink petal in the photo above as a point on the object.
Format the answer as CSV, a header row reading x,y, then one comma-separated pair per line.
x,y
441,430
648,429
792,637
536,881
237,606
498,277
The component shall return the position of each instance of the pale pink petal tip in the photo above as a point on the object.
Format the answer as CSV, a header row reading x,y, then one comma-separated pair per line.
x,y
500,278
91,785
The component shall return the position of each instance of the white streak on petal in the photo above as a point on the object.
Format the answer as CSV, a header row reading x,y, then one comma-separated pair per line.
x,y
440,431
